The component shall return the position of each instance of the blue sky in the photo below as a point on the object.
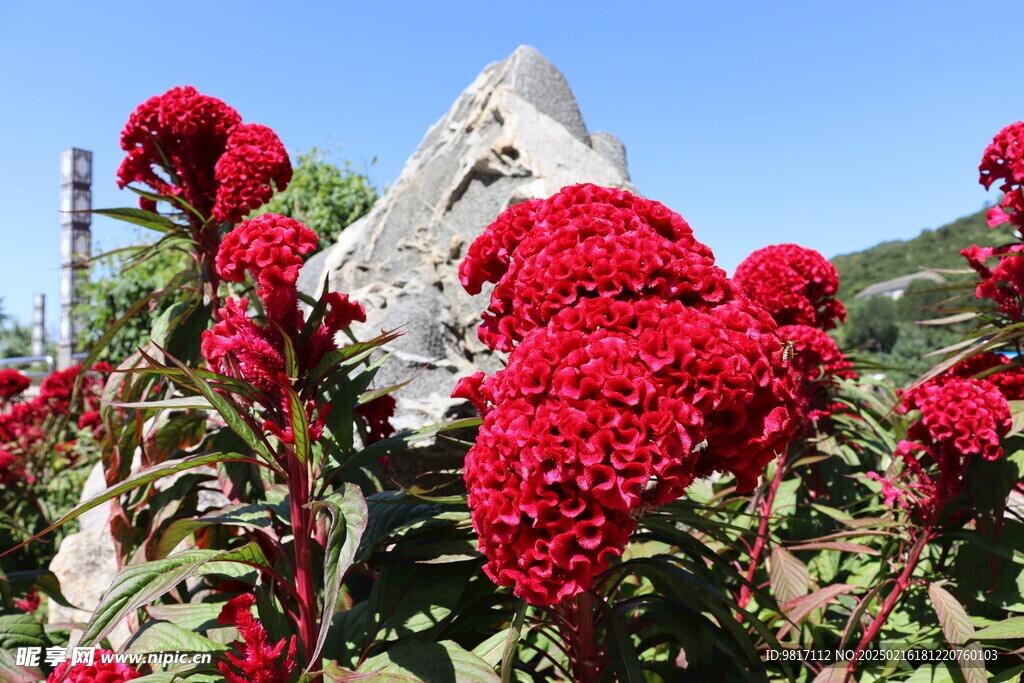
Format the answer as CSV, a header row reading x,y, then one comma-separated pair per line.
x,y
833,125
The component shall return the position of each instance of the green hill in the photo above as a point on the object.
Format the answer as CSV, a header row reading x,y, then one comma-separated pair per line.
x,y
886,329
938,248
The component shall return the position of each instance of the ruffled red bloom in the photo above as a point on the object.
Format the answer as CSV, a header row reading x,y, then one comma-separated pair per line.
x,y
795,284
182,133
1009,378
635,366
270,247
257,660
189,145
583,242
12,383
585,429
237,340
1004,160
1003,284
254,163
815,365
959,418
97,672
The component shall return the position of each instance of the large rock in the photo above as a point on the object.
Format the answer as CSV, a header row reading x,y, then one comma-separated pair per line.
x,y
515,134
85,564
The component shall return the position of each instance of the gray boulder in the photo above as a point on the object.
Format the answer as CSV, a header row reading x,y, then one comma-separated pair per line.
x,y
514,134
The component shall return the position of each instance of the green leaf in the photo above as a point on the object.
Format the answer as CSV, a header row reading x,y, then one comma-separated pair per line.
x,y
11,672
789,577
168,319
1011,628
349,515
252,516
836,545
625,662
796,610
147,476
146,219
402,441
232,413
299,424
136,585
44,581
492,649
21,630
171,199
165,636
181,403
443,662
194,616
957,627
508,656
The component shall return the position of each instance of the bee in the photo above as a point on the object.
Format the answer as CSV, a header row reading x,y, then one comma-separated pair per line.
x,y
788,351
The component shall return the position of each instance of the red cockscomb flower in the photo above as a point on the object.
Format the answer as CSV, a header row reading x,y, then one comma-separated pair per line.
x,y
12,383
257,660
186,144
959,419
377,414
181,133
1003,160
1003,284
254,163
635,366
1008,377
795,284
97,672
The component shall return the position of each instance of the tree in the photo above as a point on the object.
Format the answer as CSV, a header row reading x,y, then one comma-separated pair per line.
x,y
15,339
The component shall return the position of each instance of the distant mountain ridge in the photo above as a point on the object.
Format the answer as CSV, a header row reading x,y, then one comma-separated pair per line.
x,y
939,248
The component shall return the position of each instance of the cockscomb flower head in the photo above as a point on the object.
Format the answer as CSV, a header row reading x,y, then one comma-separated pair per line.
x,y
182,133
1007,376
1003,160
12,383
377,415
269,247
795,284
586,428
959,419
1004,283
586,241
237,340
635,366
97,672
253,165
12,468
257,660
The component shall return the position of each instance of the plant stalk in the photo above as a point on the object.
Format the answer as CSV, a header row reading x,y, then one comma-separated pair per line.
x,y
902,582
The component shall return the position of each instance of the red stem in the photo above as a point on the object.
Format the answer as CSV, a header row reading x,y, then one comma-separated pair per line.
x,y
902,581
761,542
586,656
302,531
